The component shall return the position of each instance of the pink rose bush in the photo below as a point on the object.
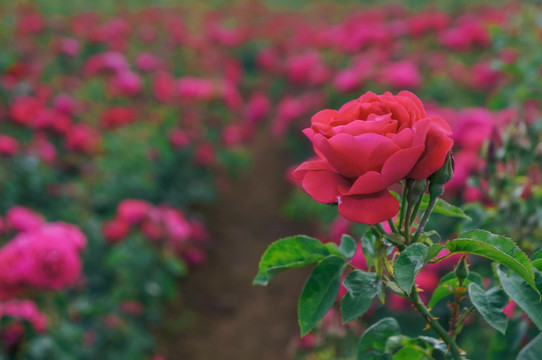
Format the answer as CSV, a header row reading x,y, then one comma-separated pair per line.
x,y
42,255
16,312
162,225
367,146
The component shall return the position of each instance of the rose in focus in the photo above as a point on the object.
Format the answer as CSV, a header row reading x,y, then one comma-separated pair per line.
x,y
368,145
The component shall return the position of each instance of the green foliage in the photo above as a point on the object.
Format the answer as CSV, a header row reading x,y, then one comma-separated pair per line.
x,y
372,343
490,305
497,248
444,208
319,292
449,284
368,246
523,294
533,349
288,253
348,246
362,288
408,264
411,352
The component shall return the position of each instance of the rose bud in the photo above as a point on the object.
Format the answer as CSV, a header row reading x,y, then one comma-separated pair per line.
x,y
441,177
462,270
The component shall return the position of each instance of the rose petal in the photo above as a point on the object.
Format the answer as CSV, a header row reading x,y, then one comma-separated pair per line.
x,y
375,107
348,112
323,185
369,96
421,128
321,121
365,152
437,145
400,114
440,122
311,165
416,100
404,138
396,167
382,125
311,134
369,209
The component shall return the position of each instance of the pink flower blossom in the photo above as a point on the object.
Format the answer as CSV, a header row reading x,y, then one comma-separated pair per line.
x,y
8,145
23,219
133,210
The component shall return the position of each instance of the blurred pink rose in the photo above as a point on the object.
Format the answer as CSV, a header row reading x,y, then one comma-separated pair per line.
x,y
23,219
8,145
82,138
401,75
133,211
116,230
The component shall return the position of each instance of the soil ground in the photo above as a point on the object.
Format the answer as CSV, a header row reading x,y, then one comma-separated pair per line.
x,y
231,318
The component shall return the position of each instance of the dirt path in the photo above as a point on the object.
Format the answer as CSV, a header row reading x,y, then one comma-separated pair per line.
x,y
233,319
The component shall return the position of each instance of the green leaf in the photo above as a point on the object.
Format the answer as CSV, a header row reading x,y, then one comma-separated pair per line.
x,y
497,248
444,208
373,341
490,305
423,344
532,350
334,249
319,292
507,346
537,263
407,265
362,287
434,344
395,342
522,294
410,353
368,241
176,266
473,277
348,246
537,255
289,253
449,283
433,251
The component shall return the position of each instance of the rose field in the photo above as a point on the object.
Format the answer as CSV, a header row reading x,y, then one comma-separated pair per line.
x,y
185,180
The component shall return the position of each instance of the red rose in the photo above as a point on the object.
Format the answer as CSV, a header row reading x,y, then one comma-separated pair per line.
x,y
368,145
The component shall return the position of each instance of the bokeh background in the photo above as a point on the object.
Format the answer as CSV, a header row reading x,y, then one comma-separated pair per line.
x,y
145,152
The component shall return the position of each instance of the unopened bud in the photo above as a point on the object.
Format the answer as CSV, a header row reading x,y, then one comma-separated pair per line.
x,y
462,270
441,176
416,190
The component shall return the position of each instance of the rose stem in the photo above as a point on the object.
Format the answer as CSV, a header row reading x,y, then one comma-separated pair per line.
x,y
415,211
461,321
403,207
425,218
407,223
422,309
379,226
392,226
377,230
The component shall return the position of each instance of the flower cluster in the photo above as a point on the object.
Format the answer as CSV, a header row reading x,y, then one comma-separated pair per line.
x,y
159,224
14,313
42,255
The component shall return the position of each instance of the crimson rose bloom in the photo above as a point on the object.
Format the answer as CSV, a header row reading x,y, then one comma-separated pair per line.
x,y
368,145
